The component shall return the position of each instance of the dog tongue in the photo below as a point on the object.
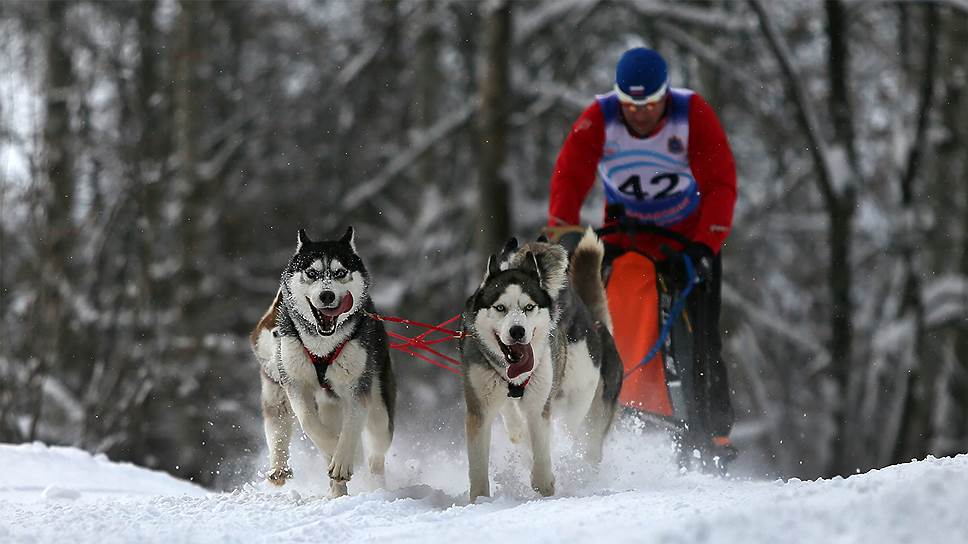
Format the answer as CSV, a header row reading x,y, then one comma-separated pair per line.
x,y
523,360
344,306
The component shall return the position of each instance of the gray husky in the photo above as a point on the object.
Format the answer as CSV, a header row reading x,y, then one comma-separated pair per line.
x,y
324,360
536,341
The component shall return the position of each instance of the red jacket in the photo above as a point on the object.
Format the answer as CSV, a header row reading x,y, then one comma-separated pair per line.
x,y
709,158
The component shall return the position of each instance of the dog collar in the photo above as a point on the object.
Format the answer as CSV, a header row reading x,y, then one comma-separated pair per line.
x,y
320,363
517,391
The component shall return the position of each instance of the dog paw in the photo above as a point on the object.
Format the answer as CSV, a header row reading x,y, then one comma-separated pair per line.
x,y
516,436
514,425
337,489
593,456
377,465
544,486
279,476
475,494
341,468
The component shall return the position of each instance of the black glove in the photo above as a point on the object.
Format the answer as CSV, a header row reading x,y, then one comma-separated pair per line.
x,y
702,260
702,264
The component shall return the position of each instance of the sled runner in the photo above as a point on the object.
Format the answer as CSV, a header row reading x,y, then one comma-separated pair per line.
x,y
666,367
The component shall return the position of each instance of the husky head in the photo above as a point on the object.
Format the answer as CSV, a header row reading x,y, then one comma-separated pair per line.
x,y
552,261
511,316
325,282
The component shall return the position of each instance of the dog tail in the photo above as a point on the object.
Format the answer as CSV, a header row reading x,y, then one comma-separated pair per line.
x,y
585,273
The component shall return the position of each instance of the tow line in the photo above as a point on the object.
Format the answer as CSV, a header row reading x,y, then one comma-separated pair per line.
x,y
420,346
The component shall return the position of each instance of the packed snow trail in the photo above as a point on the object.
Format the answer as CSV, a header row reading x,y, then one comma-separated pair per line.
x,y
65,495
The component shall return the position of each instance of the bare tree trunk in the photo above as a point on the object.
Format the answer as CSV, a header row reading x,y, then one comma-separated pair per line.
x,y
428,81
121,375
840,212
838,70
57,200
958,387
839,196
493,212
190,189
916,432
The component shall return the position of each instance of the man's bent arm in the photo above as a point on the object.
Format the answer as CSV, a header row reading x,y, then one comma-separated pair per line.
x,y
574,172
712,163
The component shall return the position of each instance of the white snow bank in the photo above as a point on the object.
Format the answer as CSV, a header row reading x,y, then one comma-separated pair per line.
x,y
36,471
916,502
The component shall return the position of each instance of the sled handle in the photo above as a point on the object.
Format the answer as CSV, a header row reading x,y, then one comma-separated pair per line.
x,y
628,226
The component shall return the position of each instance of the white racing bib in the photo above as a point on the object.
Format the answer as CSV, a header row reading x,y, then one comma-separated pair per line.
x,y
650,176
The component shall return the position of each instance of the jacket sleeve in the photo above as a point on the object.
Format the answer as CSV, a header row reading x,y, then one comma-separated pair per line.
x,y
712,163
574,172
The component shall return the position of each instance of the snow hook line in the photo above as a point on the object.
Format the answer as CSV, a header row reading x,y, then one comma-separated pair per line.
x,y
674,313
413,346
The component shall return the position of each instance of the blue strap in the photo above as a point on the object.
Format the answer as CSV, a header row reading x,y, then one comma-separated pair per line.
x,y
673,315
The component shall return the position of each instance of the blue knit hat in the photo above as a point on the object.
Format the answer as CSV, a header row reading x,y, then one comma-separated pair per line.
x,y
641,76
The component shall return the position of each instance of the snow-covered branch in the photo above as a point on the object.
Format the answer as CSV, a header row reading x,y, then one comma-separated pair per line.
x,y
420,143
709,56
715,19
960,5
818,146
537,20
772,322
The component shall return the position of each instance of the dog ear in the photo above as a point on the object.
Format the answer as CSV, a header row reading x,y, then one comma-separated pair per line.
x,y
542,238
349,239
511,245
530,266
492,268
302,239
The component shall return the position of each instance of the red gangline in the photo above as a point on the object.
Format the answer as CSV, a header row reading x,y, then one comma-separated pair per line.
x,y
414,343
431,361
419,342
455,334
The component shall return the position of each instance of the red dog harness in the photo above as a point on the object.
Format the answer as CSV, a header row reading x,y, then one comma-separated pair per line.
x,y
321,363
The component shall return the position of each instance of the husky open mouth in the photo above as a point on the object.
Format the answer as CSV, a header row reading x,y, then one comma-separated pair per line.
x,y
326,318
520,358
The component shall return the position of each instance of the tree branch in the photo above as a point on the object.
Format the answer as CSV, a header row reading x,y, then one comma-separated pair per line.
x,y
804,110
420,143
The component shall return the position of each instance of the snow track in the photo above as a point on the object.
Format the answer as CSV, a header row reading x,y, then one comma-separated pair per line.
x,y
65,495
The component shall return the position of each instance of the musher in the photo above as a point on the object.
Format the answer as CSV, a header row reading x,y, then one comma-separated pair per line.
x,y
664,160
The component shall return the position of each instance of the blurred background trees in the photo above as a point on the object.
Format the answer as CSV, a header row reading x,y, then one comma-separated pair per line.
x,y
157,158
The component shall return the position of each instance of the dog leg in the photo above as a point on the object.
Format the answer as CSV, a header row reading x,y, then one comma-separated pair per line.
x,y
597,423
341,464
277,419
513,421
574,413
303,404
582,385
596,426
478,428
301,388
377,437
539,427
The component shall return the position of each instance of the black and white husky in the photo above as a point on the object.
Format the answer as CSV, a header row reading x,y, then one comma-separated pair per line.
x,y
324,360
537,341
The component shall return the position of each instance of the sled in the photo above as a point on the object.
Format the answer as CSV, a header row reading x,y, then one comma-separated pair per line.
x,y
668,389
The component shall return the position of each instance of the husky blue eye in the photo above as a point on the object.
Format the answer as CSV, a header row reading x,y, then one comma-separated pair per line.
x,y
339,274
529,307
310,273
500,308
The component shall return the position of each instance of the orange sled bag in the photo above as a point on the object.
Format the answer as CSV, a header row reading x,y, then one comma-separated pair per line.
x,y
637,300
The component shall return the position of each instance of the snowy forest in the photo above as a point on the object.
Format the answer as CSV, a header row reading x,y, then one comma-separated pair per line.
x,y
158,157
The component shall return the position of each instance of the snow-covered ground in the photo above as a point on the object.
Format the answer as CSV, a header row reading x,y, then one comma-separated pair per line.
x,y
50,494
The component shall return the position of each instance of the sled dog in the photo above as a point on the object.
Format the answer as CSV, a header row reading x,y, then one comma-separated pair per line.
x,y
536,340
326,362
